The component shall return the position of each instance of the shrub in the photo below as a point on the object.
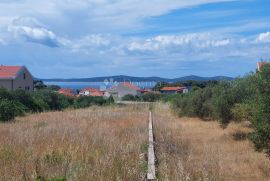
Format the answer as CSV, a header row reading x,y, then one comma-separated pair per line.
x,y
52,100
150,97
110,100
241,112
27,100
130,97
86,101
261,117
10,109
171,97
4,94
42,104
14,103
147,97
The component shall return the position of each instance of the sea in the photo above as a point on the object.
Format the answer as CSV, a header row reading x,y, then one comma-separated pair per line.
x,y
98,85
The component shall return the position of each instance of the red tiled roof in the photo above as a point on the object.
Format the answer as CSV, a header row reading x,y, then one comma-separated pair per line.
x,y
145,90
97,94
66,92
9,72
92,92
172,88
90,89
129,85
261,64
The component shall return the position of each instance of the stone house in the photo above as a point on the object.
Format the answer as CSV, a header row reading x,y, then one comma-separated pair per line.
x,y
16,77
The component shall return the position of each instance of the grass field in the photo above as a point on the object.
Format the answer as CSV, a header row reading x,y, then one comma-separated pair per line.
x,y
89,144
192,149
110,143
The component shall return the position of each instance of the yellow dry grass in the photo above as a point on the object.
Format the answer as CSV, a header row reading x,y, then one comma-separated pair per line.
x,y
109,143
192,149
88,144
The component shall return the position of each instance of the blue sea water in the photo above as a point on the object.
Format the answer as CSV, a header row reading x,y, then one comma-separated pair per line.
x,y
98,85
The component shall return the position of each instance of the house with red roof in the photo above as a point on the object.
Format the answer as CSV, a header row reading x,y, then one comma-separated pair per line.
x,y
89,91
66,92
145,91
174,90
122,89
16,77
97,94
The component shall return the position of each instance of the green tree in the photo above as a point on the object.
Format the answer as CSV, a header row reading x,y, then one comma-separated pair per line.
x,y
38,84
261,118
110,100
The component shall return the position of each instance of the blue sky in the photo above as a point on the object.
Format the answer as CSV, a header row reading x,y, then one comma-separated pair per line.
x,y
172,38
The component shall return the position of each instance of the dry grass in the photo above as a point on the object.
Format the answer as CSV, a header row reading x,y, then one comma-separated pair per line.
x,y
88,144
192,149
109,143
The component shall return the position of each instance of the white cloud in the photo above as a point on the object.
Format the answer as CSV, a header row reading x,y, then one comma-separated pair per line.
x,y
96,15
263,37
32,30
94,44
180,42
94,40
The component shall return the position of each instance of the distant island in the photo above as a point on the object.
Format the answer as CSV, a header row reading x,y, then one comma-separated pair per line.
x,y
123,78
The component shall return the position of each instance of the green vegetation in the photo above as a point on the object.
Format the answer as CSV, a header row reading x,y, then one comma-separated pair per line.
x,y
9,109
189,83
261,114
244,99
19,102
39,85
147,97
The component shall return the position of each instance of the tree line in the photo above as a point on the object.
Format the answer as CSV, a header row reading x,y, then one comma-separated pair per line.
x,y
243,99
19,102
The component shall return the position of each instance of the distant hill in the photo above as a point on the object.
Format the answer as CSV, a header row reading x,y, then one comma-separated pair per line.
x,y
198,78
123,78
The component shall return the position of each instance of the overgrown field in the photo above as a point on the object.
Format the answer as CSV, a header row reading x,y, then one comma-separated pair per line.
x,y
192,149
110,143
97,143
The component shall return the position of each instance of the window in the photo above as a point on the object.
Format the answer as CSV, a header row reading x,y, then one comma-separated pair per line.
x,y
27,88
24,76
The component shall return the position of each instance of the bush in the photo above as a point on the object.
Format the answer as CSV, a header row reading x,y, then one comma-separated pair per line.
x,y
10,109
216,101
242,112
150,97
85,101
14,103
261,117
243,99
4,94
27,100
110,100
171,97
130,97
50,100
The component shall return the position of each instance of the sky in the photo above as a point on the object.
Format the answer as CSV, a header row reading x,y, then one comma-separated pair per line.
x,y
167,38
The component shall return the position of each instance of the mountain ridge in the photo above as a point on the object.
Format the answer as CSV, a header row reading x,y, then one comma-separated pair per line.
x,y
124,78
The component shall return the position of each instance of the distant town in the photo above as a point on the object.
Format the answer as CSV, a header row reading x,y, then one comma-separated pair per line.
x,y
19,77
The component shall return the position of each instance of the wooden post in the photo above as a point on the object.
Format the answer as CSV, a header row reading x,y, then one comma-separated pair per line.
x,y
151,174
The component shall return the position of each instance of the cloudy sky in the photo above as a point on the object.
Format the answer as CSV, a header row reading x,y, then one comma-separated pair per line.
x,y
168,38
